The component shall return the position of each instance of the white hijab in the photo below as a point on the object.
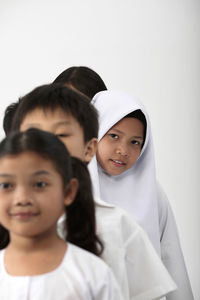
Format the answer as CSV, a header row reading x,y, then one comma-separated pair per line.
x,y
134,190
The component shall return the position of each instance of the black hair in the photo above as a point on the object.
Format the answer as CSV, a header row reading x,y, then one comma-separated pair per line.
x,y
82,206
80,220
52,96
138,114
8,116
82,79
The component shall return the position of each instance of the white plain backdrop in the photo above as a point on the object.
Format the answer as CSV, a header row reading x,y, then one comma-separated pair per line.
x,y
147,47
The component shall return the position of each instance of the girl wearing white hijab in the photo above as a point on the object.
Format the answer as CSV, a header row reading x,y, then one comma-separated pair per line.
x,y
123,174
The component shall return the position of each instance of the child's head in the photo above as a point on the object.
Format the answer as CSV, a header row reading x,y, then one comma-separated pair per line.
x,y
82,79
32,172
121,146
63,112
37,184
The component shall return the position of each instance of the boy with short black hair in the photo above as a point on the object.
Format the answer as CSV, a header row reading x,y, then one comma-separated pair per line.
x,y
63,112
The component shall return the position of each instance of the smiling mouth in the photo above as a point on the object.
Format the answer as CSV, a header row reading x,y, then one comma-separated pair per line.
x,y
118,163
24,215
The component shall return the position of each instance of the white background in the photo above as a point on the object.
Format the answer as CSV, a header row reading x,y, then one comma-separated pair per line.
x,y
148,47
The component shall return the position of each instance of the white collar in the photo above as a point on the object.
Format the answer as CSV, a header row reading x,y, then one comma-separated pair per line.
x,y
102,203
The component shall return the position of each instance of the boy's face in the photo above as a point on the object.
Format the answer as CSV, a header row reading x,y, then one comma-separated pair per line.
x,y
120,147
66,127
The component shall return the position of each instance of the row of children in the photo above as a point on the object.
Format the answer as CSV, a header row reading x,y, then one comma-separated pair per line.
x,y
48,213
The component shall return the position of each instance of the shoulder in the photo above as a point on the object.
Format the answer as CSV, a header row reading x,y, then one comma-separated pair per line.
x,y
115,220
162,197
163,205
114,215
167,221
93,270
84,260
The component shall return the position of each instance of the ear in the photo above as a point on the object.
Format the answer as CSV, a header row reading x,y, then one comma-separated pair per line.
x,y
90,149
70,191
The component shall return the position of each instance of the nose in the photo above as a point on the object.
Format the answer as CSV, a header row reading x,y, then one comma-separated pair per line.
x,y
122,150
22,197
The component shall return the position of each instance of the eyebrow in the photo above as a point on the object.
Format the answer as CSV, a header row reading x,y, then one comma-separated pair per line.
x,y
119,131
6,175
62,123
41,172
37,173
55,124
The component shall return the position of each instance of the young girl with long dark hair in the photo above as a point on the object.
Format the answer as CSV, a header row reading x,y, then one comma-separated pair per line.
x,y
37,184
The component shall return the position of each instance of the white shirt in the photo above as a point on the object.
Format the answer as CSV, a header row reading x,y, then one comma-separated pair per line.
x,y
129,253
80,276
171,252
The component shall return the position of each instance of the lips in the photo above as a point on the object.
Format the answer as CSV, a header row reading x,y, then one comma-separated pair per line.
x,y
23,215
118,163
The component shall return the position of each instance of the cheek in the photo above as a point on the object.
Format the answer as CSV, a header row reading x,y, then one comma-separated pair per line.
x,y
66,143
104,148
135,155
54,206
4,217
70,144
4,206
101,153
75,147
100,157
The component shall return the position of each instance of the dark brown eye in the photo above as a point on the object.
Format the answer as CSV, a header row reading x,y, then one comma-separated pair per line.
x,y
113,135
40,184
61,135
135,142
5,185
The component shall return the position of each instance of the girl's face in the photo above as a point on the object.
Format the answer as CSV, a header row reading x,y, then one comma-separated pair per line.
x,y
32,195
120,147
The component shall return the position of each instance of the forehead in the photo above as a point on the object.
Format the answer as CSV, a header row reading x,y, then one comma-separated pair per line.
x,y
30,159
39,113
129,125
53,117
